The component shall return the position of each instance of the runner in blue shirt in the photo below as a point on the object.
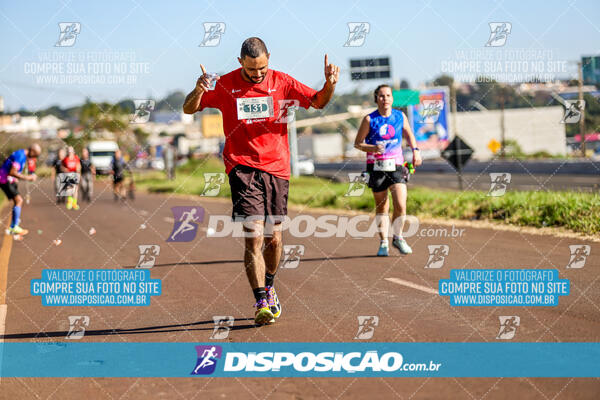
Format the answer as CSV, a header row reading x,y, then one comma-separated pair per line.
x,y
380,136
11,171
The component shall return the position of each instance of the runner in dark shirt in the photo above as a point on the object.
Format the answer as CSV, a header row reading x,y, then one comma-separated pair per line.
x,y
57,165
88,172
118,168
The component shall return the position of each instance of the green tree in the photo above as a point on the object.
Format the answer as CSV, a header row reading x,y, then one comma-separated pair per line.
x,y
99,116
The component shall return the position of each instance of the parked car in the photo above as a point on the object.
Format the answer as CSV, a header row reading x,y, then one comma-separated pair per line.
x,y
306,166
102,153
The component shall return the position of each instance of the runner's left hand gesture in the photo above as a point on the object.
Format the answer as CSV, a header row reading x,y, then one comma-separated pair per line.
x,y
417,160
332,72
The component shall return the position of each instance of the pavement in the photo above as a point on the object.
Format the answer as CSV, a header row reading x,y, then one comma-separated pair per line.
x,y
337,280
524,175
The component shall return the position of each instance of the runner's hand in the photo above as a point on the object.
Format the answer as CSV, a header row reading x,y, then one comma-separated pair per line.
x,y
380,148
32,177
417,160
332,72
203,83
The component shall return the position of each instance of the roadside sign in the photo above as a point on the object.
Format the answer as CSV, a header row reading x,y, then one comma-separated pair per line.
x,y
457,153
494,146
370,68
212,125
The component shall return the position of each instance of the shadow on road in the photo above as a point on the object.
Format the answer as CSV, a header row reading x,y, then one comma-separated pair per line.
x,y
241,261
147,329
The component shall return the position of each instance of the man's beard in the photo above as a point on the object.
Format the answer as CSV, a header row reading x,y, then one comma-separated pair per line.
x,y
252,79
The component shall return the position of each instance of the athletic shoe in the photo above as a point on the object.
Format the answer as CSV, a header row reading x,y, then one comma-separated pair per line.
x,y
69,203
383,250
273,301
75,207
401,245
263,314
17,230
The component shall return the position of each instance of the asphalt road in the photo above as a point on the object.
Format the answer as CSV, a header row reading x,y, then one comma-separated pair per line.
x,y
337,280
524,175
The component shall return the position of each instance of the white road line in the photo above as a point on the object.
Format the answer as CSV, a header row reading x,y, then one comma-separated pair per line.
x,y
412,285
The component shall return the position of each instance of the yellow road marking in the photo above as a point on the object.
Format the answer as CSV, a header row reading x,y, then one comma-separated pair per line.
x,y
4,257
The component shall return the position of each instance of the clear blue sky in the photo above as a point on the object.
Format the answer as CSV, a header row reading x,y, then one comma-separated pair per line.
x,y
417,35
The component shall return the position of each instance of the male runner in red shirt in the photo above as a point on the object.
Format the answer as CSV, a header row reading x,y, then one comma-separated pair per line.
x,y
71,163
253,100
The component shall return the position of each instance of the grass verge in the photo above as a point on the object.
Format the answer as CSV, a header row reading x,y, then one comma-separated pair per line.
x,y
579,212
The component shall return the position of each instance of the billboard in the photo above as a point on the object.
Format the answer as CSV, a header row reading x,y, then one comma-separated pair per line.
x,y
591,70
370,68
429,118
212,125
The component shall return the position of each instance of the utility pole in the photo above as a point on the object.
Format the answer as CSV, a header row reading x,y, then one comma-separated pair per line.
x,y
453,108
293,139
502,130
582,110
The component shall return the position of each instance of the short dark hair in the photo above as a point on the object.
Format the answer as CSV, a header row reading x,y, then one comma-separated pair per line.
x,y
376,92
253,47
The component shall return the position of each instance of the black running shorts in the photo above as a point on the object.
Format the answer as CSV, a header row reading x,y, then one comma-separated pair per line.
x,y
256,193
10,189
382,180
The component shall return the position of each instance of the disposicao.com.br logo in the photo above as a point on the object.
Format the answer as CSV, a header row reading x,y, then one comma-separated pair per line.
x,y
324,226
326,362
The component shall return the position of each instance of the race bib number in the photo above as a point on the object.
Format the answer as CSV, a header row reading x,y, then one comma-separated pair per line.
x,y
385,165
254,107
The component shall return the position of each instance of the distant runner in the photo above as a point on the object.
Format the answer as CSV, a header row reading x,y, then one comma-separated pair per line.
x,y
57,169
10,172
31,167
380,136
71,164
88,173
254,101
118,168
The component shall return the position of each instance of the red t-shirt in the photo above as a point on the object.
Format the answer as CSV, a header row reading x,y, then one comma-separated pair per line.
x,y
31,165
71,163
260,141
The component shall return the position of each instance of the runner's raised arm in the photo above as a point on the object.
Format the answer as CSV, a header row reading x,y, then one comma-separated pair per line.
x,y
192,100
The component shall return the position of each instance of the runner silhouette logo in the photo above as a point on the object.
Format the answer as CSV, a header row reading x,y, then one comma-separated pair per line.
x,y
499,183
291,255
68,33
68,181
212,34
499,32
366,326
212,183
573,110
508,326
579,254
185,225
358,183
207,359
77,325
148,254
437,255
358,33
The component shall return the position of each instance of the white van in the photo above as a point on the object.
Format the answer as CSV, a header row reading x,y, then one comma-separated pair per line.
x,y
101,154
